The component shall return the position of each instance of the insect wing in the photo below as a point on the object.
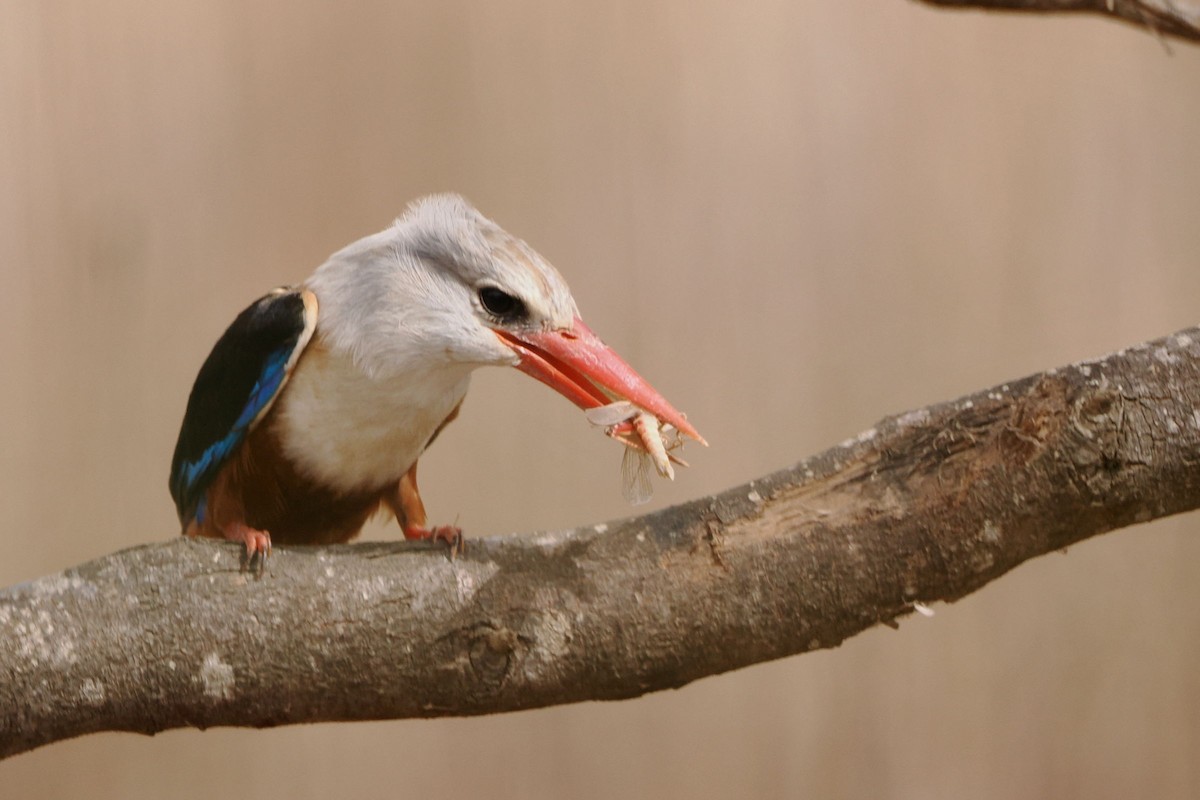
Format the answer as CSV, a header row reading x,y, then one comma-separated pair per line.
x,y
611,414
635,476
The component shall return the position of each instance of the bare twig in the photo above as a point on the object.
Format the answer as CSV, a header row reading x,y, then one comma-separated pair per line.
x,y
926,506
1180,18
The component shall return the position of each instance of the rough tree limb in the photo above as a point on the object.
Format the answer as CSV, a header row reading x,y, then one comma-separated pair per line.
x,y
1179,18
929,505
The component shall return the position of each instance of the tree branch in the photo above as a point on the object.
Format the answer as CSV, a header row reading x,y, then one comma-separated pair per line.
x,y
1179,18
929,505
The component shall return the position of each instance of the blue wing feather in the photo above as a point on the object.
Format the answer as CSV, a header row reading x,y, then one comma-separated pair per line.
x,y
240,379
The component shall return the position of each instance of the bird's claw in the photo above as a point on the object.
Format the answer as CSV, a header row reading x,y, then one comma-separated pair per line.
x,y
452,535
257,544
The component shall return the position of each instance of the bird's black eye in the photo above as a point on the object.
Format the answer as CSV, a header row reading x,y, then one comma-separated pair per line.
x,y
500,303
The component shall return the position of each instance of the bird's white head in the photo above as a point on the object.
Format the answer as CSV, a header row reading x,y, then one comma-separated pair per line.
x,y
445,287
433,287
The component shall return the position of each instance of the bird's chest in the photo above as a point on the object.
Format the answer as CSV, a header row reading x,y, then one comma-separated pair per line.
x,y
352,431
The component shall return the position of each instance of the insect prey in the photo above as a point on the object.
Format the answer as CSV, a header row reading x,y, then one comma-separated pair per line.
x,y
647,442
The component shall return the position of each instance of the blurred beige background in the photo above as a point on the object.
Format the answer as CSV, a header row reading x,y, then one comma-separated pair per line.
x,y
794,217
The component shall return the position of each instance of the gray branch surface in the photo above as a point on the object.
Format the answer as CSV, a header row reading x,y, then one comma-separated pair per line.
x,y
1180,18
929,505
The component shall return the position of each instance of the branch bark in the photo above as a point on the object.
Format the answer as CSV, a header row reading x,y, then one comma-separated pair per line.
x,y
928,505
1179,18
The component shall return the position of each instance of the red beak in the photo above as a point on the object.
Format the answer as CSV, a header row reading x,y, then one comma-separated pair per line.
x,y
589,373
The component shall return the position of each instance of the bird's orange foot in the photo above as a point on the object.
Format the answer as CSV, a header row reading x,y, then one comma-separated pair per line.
x,y
258,544
452,535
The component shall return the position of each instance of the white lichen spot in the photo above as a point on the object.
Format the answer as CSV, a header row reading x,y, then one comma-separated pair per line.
x,y
922,609
918,417
754,497
1165,356
370,588
465,583
37,641
56,585
329,572
1172,426
600,528
446,586
1183,340
641,537
969,404
217,678
1085,370
426,584
990,532
547,541
861,438
1196,418
552,634
92,692
64,651
171,665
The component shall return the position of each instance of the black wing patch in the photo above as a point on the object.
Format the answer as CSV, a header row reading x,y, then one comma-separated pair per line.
x,y
239,381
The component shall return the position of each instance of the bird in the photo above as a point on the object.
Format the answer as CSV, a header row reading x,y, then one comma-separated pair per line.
x,y
311,411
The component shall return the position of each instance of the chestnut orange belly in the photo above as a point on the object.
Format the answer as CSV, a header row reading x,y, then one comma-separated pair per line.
x,y
264,490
